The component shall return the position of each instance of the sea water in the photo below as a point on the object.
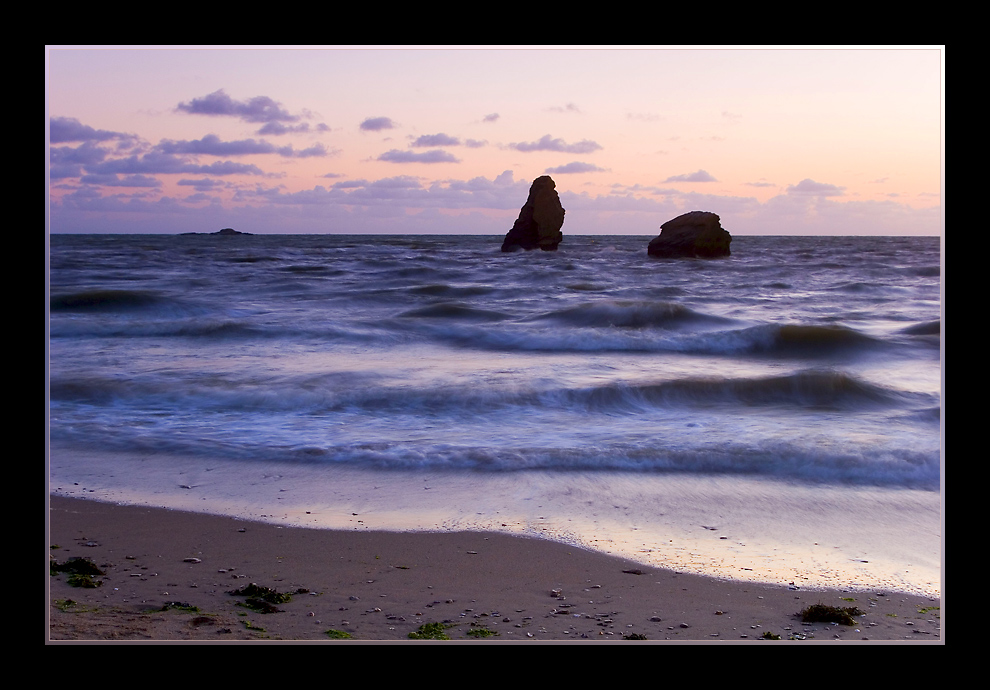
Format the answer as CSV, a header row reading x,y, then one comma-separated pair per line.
x,y
774,415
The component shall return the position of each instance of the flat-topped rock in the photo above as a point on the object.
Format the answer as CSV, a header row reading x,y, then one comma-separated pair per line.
x,y
694,234
226,232
540,219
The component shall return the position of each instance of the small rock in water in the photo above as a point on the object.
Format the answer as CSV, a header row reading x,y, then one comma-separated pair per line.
x,y
693,234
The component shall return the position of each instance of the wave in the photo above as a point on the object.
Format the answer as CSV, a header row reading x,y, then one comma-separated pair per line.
x,y
629,314
456,291
780,460
896,468
817,390
455,310
805,339
809,390
104,300
925,328
598,330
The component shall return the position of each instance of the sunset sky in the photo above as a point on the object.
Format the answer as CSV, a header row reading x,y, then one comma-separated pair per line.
x,y
808,141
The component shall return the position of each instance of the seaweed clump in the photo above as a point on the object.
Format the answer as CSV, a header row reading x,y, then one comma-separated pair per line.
x,y
264,593
823,613
430,631
263,599
76,565
81,571
180,606
481,631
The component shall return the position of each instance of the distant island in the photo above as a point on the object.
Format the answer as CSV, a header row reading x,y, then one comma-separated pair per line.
x,y
225,231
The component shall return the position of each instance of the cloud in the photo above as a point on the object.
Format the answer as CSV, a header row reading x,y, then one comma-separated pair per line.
x,y
257,109
546,143
436,140
492,117
69,129
699,176
377,124
85,154
569,108
68,162
403,191
203,185
278,129
314,151
212,145
116,181
643,189
810,187
161,163
350,184
575,167
397,182
434,156
505,179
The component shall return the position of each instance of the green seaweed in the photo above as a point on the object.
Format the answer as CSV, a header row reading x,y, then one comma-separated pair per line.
x,y
180,606
338,635
770,636
481,631
84,581
65,604
267,594
634,636
430,631
259,605
823,613
77,565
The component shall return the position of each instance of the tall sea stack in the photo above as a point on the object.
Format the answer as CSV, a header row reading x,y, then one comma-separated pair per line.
x,y
540,219
694,234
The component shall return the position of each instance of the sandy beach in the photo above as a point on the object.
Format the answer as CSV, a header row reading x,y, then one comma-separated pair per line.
x,y
169,576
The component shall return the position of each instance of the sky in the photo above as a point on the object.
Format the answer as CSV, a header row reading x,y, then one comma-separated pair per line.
x,y
447,140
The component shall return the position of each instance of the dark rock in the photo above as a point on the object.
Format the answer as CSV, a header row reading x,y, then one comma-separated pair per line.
x,y
224,232
540,219
694,234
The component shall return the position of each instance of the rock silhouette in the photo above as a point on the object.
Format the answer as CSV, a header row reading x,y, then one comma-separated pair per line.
x,y
225,232
694,234
540,219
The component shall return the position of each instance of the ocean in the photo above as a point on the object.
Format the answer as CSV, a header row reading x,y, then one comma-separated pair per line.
x,y
770,416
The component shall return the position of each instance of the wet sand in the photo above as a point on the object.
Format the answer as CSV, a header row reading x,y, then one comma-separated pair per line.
x,y
380,586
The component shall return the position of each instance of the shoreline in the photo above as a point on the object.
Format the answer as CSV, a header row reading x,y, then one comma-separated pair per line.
x,y
827,536
380,586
